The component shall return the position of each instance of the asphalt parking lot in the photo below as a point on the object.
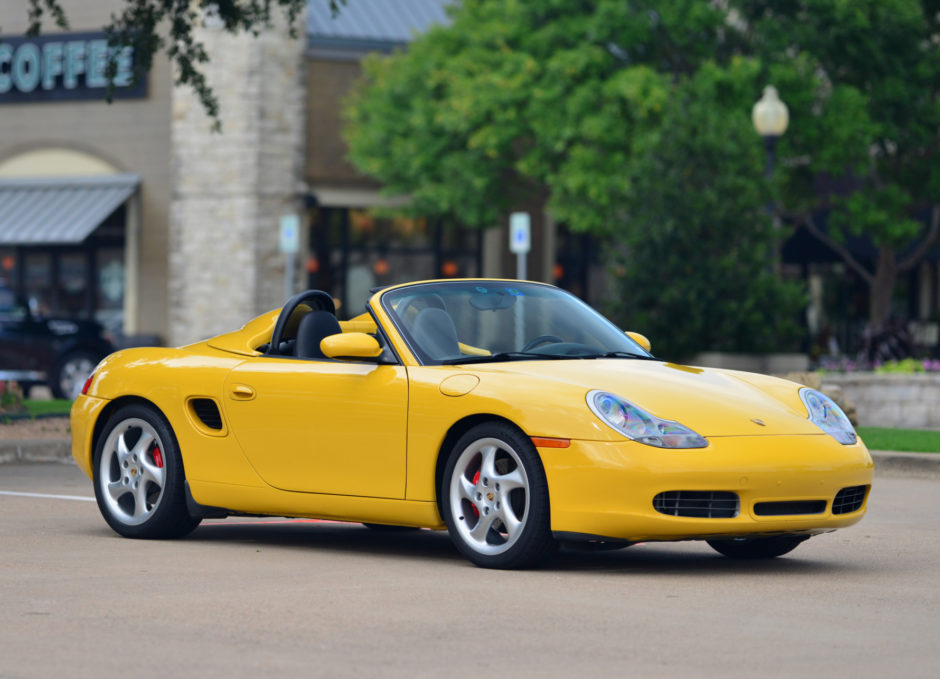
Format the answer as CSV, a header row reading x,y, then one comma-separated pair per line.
x,y
269,597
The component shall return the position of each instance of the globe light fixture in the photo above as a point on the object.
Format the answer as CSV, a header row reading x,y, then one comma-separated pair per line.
x,y
770,115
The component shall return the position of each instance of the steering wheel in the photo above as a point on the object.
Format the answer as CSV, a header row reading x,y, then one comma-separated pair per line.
x,y
541,339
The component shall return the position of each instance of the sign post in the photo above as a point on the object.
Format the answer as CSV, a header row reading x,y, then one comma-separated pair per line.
x,y
290,246
520,240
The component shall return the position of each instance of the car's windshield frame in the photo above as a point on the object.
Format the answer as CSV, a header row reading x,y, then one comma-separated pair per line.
x,y
628,349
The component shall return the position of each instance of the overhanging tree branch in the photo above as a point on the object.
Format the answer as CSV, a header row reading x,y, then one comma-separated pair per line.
x,y
137,26
807,221
933,231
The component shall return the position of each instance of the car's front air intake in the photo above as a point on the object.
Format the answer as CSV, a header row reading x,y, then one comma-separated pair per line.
x,y
790,508
703,504
849,499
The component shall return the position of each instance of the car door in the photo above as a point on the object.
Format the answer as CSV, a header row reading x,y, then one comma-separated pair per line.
x,y
322,426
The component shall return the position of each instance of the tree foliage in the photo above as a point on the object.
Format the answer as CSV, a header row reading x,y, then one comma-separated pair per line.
x,y
149,26
862,79
631,120
574,102
696,270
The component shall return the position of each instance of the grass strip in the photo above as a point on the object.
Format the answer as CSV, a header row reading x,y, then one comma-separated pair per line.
x,y
54,407
904,440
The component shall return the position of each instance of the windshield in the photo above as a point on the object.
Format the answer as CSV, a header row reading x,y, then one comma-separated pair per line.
x,y
478,321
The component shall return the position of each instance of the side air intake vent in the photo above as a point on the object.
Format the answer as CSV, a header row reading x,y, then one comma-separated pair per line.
x,y
207,412
849,499
702,504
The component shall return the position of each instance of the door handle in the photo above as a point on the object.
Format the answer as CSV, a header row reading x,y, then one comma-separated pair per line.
x,y
242,392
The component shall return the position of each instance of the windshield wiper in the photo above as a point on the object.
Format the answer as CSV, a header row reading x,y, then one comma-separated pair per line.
x,y
504,356
621,354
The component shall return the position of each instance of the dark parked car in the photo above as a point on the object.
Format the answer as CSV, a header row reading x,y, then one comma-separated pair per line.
x,y
59,352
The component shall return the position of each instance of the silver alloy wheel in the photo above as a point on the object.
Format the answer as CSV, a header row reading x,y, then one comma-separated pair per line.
x,y
489,496
132,471
73,374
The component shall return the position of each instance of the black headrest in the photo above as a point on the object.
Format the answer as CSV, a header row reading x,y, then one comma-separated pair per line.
x,y
312,329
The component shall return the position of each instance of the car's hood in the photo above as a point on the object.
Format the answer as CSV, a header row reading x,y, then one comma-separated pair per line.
x,y
711,402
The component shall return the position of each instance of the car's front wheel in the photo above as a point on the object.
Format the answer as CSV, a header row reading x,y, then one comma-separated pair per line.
x,y
757,548
494,498
139,479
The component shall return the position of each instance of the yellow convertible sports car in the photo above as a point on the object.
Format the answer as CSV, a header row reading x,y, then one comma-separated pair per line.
x,y
510,413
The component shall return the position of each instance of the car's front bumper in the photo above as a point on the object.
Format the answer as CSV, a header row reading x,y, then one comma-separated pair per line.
x,y
606,489
82,419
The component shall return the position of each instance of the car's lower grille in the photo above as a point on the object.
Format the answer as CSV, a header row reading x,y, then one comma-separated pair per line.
x,y
849,499
702,504
790,508
207,412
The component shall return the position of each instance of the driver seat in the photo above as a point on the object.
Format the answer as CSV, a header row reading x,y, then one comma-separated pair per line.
x,y
434,331
313,327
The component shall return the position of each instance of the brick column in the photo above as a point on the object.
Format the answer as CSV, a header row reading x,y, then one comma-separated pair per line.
x,y
230,188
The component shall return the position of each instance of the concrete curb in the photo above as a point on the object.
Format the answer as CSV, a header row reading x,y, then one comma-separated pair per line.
x,y
887,463
36,450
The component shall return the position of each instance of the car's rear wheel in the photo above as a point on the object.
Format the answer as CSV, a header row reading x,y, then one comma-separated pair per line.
x,y
494,498
139,479
70,373
757,548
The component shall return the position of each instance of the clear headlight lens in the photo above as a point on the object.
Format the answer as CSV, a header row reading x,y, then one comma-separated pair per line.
x,y
640,426
825,414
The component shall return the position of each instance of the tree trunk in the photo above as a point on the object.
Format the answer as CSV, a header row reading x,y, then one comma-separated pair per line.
x,y
881,288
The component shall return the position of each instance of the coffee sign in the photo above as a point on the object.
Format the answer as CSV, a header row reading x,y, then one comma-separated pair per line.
x,y
70,66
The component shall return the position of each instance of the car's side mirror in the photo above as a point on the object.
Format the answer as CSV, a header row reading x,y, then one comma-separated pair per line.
x,y
640,339
355,345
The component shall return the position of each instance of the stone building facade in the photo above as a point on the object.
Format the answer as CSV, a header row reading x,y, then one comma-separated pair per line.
x,y
192,249
230,188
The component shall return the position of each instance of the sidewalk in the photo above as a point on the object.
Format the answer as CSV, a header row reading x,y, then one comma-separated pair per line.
x,y
887,463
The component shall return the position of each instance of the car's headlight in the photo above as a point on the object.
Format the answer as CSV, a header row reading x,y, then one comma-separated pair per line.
x,y
639,425
825,414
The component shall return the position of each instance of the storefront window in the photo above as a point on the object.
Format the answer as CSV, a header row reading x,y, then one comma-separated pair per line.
x,y
110,303
38,282
7,267
73,283
353,251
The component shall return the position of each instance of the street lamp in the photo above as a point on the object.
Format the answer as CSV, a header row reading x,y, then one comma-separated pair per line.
x,y
771,117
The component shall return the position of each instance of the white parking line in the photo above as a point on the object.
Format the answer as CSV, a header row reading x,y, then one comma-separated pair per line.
x,y
51,497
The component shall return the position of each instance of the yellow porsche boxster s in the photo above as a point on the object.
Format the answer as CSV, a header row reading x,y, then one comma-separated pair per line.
x,y
508,412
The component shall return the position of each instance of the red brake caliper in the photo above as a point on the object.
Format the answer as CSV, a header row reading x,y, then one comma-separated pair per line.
x,y
476,480
157,457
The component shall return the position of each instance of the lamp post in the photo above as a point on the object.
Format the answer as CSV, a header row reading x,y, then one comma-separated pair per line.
x,y
771,117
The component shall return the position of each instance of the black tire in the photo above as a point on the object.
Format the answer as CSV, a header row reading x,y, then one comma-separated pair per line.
x,y
757,548
494,498
386,528
139,476
70,372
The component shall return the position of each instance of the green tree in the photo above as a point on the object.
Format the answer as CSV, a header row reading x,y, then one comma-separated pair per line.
x,y
619,116
149,26
559,100
696,270
862,80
